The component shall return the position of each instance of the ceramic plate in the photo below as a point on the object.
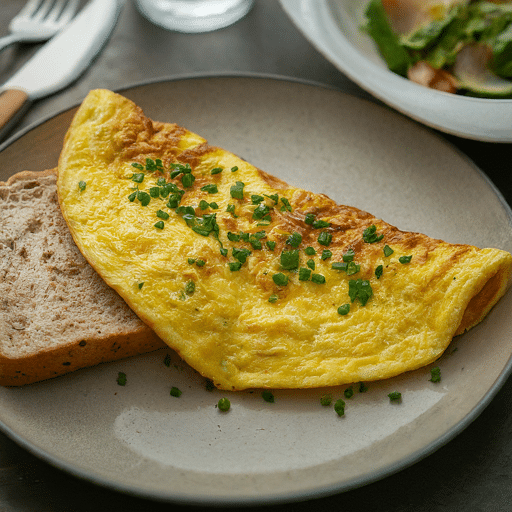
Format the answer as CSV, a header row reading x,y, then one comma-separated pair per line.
x,y
140,440
334,28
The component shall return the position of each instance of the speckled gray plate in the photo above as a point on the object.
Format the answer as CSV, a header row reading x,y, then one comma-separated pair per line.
x,y
141,440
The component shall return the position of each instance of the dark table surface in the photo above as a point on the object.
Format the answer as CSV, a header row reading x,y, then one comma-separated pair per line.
x,y
473,472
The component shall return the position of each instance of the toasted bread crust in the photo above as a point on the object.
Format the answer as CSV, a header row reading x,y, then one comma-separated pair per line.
x,y
50,321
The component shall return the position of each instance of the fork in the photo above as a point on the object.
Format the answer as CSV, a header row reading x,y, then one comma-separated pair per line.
x,y
39,20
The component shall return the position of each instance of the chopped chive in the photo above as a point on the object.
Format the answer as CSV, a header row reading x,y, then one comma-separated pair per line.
x,y
344,309
435,374
326,254
290,259
162,215
138,177
286,205
175,392
237,190
304,274
324,238
190,288
339,407
317,224
395,396
210,188
143,197
294,239
326,399
188,180
318,278
224,404
309,218
231,209
280,279
268,396
388,251
370,235
352,268
349,255
234,169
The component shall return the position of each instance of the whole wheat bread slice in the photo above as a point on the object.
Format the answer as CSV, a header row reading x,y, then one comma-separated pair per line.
x,y
56,314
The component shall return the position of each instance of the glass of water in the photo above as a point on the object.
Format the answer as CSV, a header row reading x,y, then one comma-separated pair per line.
x,y
194,15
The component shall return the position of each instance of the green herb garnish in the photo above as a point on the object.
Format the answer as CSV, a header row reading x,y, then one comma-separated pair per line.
x,y
280,279
121,379
318,278
82,185
405,259
339,407
290,259
231,209
286,205
162,215
435,374
388,251
304,274
268,396
309,218
344,309
359,289
210,188
378,271
160,224
370,235
324,238
349,392
395,396
326,399
224,404
138,177
256,199
311,264
234,266
273,298
310,251
294,239
326,254
190,288
167,360
349,255
175,392
216,170
318,224
237,190
271,245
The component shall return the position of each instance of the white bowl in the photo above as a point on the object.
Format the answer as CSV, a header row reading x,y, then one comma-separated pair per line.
x,y
334,28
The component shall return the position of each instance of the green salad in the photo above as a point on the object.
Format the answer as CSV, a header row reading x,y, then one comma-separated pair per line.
x,y
464,47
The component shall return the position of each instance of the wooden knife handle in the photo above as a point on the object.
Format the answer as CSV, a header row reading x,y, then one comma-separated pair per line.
x,y
13,103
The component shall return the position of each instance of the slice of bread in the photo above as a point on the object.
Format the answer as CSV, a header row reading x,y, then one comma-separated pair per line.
x,y
56,314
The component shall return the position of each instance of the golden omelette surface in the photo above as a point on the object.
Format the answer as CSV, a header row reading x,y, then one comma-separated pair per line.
x,y
218,315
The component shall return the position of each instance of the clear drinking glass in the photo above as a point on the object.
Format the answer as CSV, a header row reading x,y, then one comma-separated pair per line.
x,y
194,15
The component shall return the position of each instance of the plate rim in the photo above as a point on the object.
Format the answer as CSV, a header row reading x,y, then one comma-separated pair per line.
x,y
289,496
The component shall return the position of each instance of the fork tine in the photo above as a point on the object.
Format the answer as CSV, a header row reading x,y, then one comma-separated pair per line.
x,y
68,11
30,8
62,10
43,10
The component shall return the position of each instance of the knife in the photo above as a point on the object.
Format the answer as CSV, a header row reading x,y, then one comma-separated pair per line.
x,y
59,62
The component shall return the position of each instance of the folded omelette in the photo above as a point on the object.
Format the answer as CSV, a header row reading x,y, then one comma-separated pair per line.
x,y
253,282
